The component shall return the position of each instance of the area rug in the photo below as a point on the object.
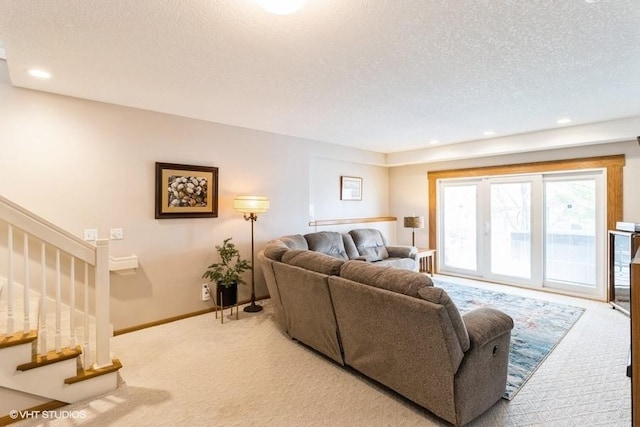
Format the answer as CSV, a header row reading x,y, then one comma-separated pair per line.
x,y
538,327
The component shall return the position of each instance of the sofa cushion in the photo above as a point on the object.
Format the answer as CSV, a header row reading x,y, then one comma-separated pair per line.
x,y
392,279
276,248
350,246
403,263
314,261
295,241
327,242
370,243
439,296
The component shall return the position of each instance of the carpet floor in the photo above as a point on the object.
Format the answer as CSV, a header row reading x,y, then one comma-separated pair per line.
x,y
538,326
198,372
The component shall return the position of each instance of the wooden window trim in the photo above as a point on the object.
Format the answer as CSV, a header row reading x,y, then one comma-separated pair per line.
x,y
612,164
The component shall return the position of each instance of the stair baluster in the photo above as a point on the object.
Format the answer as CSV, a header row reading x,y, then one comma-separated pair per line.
x,y
42,324
72,304
10,320
27,287
87,342
58,303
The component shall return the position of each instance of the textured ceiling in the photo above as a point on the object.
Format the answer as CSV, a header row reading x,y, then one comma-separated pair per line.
x,y
382,75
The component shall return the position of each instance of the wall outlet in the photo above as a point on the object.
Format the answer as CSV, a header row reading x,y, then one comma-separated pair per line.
x,y
206,295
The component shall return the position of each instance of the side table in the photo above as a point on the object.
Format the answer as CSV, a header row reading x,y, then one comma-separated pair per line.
x,y
425,260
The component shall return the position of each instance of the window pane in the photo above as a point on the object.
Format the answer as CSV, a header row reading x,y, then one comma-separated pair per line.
x,y
459,225
511,229
570,231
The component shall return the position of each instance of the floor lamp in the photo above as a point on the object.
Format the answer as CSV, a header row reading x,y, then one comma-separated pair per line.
x,y
250,207
413,222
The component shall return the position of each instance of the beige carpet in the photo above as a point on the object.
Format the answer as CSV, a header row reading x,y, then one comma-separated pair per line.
x,y
198,372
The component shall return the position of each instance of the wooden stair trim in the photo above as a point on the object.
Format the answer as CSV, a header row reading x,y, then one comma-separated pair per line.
x,y
48,406
51,357
18,338
87,374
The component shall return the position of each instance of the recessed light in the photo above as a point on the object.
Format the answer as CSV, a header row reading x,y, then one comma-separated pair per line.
x,y
281,7
434,142
563,121
489,133
40,74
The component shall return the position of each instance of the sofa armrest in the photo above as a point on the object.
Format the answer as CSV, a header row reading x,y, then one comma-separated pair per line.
x,y
485,324
482,376
402,251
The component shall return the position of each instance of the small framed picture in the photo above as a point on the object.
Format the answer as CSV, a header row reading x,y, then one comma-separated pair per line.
x,y
184,191
350,188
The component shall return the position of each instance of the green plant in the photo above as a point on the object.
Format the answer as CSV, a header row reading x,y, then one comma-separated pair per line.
x,y
230,269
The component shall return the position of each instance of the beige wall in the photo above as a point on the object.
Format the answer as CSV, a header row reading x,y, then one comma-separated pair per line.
x,y
409,188
83,164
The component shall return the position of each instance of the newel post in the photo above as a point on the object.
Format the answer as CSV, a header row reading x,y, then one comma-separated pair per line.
x,y
103,321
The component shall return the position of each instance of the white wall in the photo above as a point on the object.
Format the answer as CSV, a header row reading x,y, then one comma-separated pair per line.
x,y
325,200
408,186
83,164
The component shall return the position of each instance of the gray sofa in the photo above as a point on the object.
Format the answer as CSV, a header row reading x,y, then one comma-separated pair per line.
x,y
392,325
366,244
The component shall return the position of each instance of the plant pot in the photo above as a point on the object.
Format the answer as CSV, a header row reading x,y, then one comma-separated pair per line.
x,y
229,295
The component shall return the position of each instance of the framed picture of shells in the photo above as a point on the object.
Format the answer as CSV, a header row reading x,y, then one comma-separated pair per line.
x,y
184,191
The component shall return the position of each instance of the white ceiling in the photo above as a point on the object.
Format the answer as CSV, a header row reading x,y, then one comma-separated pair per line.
x,y
382,75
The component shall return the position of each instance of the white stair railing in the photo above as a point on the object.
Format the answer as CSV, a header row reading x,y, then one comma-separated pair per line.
x,y
68,250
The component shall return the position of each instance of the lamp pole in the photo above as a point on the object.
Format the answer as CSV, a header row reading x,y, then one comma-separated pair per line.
x,y
253,308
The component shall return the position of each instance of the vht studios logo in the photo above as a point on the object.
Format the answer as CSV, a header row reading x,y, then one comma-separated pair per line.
x,y
23,415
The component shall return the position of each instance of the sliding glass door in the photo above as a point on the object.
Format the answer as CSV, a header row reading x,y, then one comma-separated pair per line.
x,y
572,215
509,236
460,220
533,230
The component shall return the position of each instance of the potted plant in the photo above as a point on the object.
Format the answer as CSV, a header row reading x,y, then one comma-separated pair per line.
x,y
227,273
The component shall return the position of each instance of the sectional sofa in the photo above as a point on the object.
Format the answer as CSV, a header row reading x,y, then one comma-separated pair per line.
x,y
389,323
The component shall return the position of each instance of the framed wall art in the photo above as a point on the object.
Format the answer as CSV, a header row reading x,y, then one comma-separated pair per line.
x,y
350,188
185,191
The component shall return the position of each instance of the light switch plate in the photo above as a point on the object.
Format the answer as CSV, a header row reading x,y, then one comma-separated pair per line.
x,y
116,234
91,234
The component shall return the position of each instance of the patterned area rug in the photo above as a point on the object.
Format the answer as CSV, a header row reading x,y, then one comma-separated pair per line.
x,y
538,327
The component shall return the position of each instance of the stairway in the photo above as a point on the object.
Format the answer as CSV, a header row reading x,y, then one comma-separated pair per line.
x,y
55,375
55,349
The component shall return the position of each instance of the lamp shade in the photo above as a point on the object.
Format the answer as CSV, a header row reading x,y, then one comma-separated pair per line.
x,y
413,222
251,204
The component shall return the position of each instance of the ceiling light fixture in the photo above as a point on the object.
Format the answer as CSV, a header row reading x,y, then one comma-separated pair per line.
x,y
489,133
434,142
40,74
281,7
563,121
